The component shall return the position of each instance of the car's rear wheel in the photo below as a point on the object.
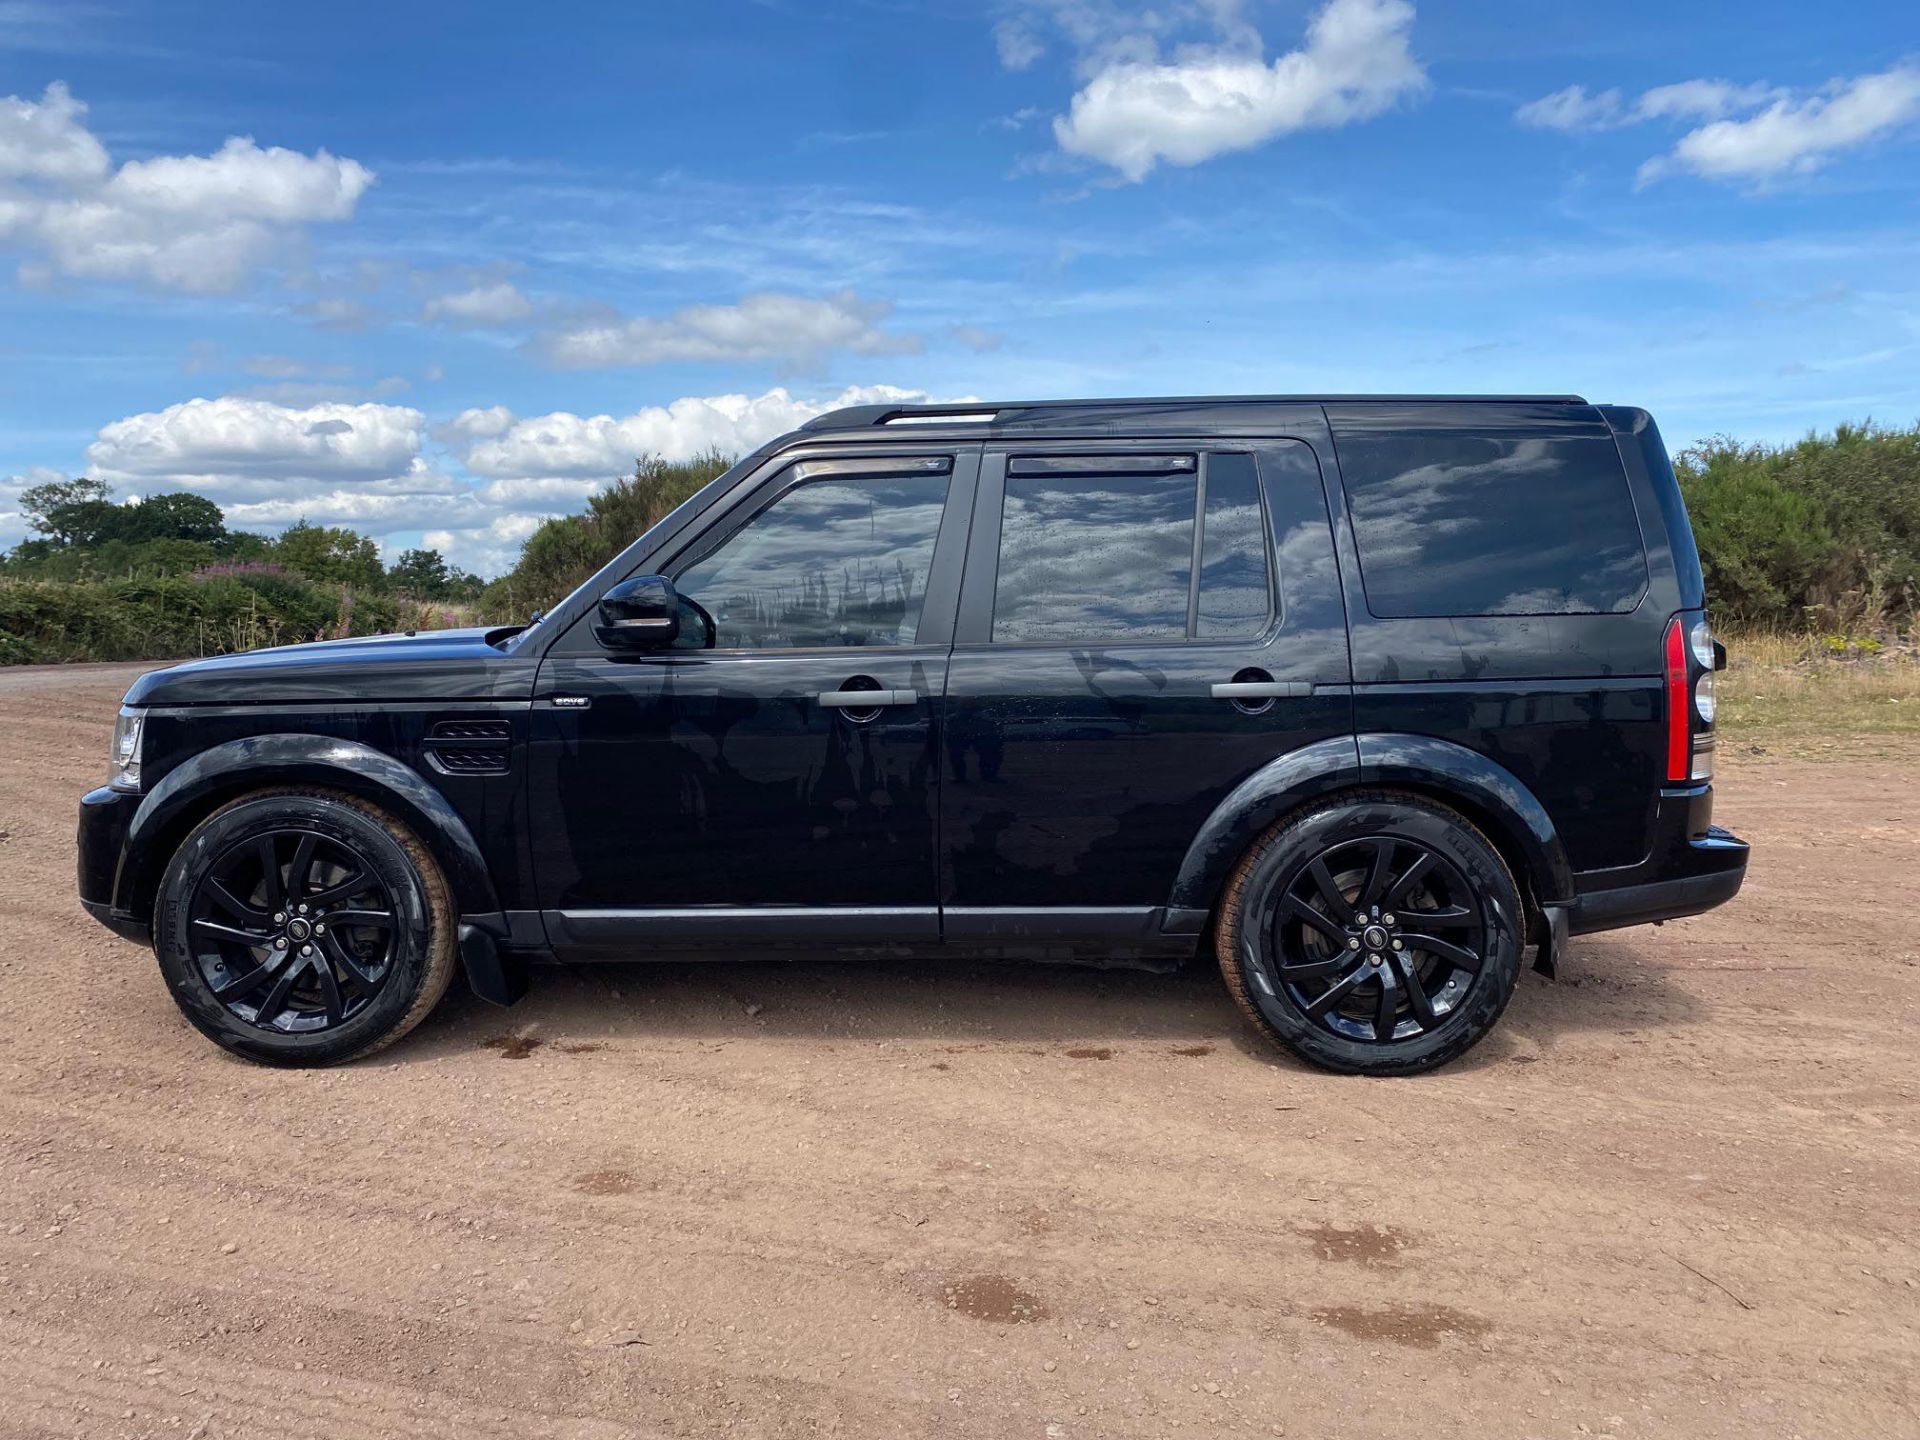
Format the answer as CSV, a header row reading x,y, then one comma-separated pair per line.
x,y
1379,934
304,927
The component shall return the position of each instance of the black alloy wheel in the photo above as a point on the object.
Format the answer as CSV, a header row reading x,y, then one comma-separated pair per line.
x,y
304,927
1378,934
293,931
1378,939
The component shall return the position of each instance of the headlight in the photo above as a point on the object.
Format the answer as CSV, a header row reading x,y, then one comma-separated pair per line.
x,y
1703,697
1700,638
125,759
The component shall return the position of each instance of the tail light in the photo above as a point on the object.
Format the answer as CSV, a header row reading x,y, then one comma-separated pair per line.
x,y
1690,662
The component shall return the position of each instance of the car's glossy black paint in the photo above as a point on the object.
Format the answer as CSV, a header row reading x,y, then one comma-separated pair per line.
x,y
429,666
1044,799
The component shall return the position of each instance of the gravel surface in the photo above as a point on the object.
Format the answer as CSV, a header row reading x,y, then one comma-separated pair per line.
x,y
1675,1194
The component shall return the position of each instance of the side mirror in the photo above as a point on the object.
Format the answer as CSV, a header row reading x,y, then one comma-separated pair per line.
x,y
639,614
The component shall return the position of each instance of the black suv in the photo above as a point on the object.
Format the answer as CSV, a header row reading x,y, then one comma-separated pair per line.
x,y
1364,694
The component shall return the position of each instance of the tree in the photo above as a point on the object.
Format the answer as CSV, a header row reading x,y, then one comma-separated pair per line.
x,y
41,504
565,551
426,575
181,515
330,555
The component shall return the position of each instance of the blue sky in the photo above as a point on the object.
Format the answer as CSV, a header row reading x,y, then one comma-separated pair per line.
x,y
437,270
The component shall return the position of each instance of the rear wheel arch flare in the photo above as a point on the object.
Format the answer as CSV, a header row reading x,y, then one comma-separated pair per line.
x,y
1481,791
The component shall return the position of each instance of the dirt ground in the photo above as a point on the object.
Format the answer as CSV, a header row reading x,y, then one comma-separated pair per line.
x,y
1676,1193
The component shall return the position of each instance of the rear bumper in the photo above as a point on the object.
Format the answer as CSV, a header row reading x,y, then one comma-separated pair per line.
x,y
1721,861
101,841
1693,866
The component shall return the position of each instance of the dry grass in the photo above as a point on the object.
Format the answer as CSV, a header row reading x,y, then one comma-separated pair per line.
x,y
1816,686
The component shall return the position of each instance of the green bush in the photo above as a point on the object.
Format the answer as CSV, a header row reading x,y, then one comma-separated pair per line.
x,y
173,618
1825,532
1761,544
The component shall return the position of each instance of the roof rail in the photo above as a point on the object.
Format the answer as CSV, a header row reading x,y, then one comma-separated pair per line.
x,y
861,417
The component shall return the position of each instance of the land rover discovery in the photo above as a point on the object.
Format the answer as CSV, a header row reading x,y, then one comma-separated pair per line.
x,y
1365,696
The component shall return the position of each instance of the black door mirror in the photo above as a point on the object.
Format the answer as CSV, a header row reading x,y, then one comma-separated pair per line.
x,y
639,614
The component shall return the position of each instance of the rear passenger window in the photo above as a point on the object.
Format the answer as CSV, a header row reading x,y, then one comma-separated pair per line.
x,y
1095,557
1102,548
1458,524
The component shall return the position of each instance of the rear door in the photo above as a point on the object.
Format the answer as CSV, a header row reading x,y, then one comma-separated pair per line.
x,y
1111,591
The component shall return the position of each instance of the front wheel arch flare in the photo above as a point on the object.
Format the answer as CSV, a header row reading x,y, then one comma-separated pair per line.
x,y
195,789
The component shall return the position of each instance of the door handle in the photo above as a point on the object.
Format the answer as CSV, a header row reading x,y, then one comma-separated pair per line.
x,y
866,699
1263,690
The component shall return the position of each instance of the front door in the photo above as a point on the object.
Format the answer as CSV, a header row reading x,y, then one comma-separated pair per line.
x,y
1142,627
739,787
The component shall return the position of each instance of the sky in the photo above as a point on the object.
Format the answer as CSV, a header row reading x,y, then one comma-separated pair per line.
x,y
437,270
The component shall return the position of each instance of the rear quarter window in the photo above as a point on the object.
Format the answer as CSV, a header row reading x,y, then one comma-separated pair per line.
x,y
1455,523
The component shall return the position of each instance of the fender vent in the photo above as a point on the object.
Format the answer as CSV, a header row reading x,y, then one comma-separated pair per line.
x,y
470,730
470,747
460,760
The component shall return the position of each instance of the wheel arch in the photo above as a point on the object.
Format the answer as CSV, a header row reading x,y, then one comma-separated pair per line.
x,y
1482,790
194,790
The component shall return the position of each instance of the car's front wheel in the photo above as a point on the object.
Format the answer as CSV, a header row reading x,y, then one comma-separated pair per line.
x,y
1378,934
304,927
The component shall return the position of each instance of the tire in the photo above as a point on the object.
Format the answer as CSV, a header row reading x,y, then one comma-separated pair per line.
x,y
1300,962
262,977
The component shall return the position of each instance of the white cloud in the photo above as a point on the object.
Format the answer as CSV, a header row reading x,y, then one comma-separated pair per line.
x,y
489,549
1754,132
1574,109
47,141
1701,99
235,449
473,424
482,307
786,329
13,523
1134,114
240,181
1796,136
198,223
1017,45
601,447
371,512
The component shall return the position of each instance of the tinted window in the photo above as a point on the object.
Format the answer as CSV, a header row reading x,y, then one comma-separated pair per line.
x,y
1095,557
1457,524
1234,588
832,562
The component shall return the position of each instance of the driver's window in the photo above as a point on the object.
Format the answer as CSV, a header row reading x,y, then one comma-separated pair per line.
x,y
833,562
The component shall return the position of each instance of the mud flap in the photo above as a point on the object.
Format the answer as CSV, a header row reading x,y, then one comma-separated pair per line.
x,y
495,975
1553,941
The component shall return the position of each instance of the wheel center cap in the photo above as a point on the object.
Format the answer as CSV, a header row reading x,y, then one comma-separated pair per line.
x,y
298,929
1374,937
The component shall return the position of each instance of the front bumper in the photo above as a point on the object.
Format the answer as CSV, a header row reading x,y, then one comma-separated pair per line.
x,y
1692,866
105,815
